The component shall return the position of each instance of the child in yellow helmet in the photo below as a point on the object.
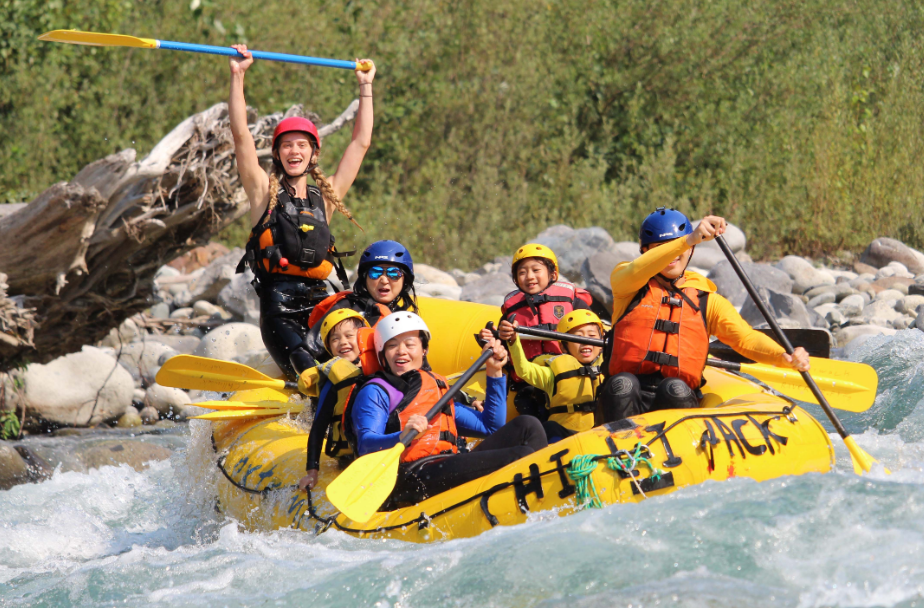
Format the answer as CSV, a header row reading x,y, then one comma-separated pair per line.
x,y
541,300
570,380
347,336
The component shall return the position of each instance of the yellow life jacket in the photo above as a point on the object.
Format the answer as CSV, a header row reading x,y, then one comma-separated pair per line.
x,y
572,403
343,375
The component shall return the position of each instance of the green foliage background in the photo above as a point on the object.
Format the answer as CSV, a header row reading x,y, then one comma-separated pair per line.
x,y
800,121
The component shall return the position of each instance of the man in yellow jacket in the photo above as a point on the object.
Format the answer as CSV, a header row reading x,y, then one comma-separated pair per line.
x,y
663,316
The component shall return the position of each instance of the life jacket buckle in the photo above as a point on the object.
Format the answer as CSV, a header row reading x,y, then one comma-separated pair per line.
x,y
666,326
661,358
674,302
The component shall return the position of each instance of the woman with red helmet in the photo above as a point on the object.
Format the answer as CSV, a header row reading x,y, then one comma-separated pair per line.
x,y
290,249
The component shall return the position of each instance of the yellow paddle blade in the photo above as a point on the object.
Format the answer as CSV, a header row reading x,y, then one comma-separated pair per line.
x,y
359,491
848,386
95,39
251,413
242,405
862,461
204,374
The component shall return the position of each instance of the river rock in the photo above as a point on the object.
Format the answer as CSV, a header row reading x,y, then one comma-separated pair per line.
x,y
919,321
803,274
161,310
439,290
143,359
13,469
846,335
168,401
78,389
431,275
884,250
217,275
785,307
149,415
134,453
240,299
464,278
892,295
910,304
596,271
762,275
260,360
880,312
126,332
184,345
166,272
204,308
490,289
182,313
903,322
198,258
834,317
229,341
130,419
827,297
572,246
708,254
824,309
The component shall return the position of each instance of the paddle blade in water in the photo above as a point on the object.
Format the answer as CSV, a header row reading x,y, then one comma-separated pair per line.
x,y
96,39
862,462
359,491
201,373
250,413
847,386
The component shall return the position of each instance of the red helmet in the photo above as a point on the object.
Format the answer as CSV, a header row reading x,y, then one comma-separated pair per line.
x,y
296,123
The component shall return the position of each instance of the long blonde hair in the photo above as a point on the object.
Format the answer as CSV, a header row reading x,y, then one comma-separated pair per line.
x,y
327,191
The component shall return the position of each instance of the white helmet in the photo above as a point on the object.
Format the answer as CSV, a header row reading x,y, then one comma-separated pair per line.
x,y
396,324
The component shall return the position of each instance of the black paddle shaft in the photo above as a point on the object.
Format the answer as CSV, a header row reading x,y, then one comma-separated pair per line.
x,y
780,336
555,335
407,438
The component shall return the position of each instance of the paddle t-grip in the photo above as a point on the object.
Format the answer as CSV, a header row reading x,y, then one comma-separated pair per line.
x,y
407,437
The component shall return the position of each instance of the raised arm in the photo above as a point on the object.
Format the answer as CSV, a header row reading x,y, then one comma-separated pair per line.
x,y
353,156
253,178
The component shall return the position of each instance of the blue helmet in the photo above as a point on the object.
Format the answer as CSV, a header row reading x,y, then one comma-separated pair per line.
x,y
388,252
664,225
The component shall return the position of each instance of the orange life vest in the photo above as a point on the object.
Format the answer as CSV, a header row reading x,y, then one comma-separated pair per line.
x,y
425,390
543,311
368,359
327,304
663,331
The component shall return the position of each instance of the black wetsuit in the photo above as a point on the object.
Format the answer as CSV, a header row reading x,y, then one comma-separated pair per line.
x,y
625,395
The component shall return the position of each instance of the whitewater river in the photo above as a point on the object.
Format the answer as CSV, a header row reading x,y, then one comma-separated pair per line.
x,y
116,537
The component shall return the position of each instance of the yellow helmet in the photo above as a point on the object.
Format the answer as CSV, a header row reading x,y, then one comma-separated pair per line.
x,y
579,317
533,250
333,318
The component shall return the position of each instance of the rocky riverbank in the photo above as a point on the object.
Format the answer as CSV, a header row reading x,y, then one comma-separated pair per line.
x,y
203,308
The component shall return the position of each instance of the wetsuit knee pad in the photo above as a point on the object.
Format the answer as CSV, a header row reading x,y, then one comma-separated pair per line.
x,y
674,393
622,385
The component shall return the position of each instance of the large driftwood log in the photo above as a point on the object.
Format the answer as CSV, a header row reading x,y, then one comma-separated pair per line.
x,y
81,257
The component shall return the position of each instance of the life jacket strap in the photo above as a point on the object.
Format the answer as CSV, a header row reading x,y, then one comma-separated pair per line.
x,y
675,302
666,326
662,358
583,408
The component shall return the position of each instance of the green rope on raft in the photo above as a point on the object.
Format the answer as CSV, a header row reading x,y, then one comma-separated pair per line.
x,y
581,469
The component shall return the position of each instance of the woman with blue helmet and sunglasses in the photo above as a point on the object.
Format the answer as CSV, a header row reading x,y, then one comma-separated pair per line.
x,y
384,284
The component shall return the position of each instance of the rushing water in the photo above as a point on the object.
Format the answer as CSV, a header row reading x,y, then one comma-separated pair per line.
x,y
114,536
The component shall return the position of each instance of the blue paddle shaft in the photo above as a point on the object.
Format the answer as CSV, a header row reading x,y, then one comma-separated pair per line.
x,y
229,52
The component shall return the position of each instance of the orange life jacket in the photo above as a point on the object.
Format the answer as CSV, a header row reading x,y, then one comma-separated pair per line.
x,y
327,304
543,311
663,331
425,389
368,359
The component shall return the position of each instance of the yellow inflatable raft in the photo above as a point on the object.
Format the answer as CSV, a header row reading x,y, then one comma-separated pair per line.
x,y
741,431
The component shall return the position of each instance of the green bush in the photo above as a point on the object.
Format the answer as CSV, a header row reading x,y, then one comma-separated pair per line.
x,y
800,121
